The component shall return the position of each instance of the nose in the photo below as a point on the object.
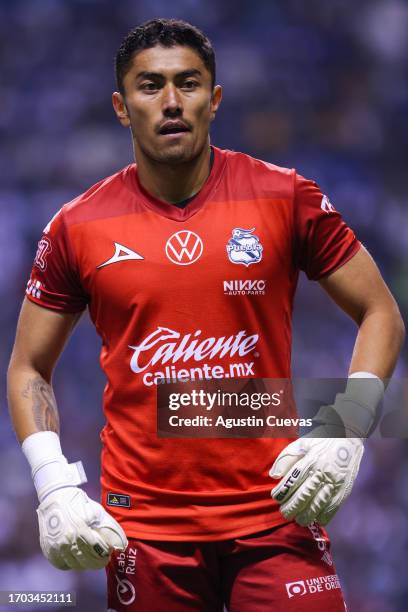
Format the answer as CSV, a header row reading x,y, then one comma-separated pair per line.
x,y
171,105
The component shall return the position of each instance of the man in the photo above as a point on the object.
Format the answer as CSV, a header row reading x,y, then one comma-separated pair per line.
x,y
148,251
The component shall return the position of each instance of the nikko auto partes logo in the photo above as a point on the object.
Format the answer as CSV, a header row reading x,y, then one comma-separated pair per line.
x,y
245,287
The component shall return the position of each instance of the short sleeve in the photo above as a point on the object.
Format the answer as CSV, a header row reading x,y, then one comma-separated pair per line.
x,y
324,242
54,281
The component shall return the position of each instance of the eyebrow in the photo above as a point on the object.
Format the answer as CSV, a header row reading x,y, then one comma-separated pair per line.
x,y
157,75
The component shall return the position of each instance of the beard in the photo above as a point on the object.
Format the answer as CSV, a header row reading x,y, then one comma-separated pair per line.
x,y
176,153
186,150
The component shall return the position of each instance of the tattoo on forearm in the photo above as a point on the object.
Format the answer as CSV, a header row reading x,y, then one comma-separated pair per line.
x,y
44,405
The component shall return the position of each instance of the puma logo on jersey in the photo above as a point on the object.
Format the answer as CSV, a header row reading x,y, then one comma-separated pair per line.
x,y
122,253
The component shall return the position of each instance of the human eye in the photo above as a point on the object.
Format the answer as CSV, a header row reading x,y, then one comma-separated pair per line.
x,y
190,84
149,87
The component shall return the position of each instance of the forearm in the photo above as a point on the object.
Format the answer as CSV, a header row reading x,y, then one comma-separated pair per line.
x,y
378,343
32,403
75,531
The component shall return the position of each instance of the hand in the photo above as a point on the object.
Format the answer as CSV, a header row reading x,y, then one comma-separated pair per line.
x,y
76,532
317,476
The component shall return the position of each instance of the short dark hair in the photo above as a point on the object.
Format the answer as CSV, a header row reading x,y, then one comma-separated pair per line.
x,y
167,33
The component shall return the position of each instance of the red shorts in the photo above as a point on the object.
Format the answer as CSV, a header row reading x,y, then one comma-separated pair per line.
x,y
288,568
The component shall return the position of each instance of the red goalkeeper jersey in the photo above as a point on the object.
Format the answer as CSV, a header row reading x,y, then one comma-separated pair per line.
x,y
202,291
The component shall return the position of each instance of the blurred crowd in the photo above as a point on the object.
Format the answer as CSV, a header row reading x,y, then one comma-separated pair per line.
x,y
319,86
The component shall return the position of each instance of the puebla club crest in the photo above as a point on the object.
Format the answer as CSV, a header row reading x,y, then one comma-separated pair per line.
x,y
244,247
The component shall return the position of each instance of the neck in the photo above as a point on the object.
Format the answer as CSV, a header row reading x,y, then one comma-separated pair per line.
x,y
177,182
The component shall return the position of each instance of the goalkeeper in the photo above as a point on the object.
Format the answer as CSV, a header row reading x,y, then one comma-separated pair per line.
x,y
149,252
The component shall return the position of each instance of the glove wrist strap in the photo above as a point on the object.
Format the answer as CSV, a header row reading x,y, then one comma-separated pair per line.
x,y
53,475
356,411
49,468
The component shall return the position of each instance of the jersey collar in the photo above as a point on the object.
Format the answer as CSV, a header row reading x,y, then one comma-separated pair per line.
x,y
173,212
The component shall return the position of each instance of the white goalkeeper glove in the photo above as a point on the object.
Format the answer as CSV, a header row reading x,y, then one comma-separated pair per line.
x,y
75,531
317,476
318,471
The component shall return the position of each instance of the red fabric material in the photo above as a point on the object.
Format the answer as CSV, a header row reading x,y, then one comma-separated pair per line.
x,y
54,282
288,568
324,242
148,309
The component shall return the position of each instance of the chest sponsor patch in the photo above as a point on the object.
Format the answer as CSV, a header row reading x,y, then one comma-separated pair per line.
x,y
168,349
244,247
244,287
184,247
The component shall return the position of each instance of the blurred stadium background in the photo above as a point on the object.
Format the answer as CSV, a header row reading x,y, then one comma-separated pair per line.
x,y
320,86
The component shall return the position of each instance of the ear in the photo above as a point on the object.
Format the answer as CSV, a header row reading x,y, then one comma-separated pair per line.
x,y
215,101
120,109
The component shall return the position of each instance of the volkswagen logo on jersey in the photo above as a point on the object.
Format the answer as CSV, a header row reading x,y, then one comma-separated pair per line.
x,y
244,247
184,248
